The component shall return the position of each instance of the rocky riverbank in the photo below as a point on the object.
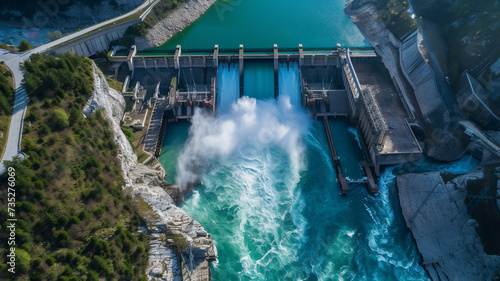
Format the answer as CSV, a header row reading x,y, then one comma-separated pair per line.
x,y
436,213
180,18
171,230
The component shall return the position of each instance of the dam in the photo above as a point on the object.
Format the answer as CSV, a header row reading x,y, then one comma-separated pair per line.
x,y
328,84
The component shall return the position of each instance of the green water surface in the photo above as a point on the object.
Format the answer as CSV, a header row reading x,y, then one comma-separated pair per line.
x,y
259,24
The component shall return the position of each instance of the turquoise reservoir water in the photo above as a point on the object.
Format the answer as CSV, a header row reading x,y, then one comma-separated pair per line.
x,y
262,23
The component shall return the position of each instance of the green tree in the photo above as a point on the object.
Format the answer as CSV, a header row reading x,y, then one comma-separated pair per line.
x,y
24,46
60,119
22,260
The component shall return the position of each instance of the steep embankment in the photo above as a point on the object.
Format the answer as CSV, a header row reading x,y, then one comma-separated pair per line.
x,y
412,75
73,220
172,231
447,237
180,18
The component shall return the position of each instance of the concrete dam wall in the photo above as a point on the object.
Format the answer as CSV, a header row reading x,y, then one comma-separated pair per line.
x,y
423,81
330,83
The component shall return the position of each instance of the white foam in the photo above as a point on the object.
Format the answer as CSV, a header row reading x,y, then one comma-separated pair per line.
x,y
258,123
289,83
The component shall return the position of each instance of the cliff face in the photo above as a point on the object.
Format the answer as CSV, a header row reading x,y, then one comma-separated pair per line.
x,y
409,70
180,18
446,235
171,230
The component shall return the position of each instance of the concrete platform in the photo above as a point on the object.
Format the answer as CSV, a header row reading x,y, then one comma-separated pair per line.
x,y
399,138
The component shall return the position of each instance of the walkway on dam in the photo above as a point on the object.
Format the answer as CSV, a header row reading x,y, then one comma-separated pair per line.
x,y
13,60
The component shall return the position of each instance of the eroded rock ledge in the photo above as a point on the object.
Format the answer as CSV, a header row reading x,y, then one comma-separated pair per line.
x,y
446,236
180,18
172,231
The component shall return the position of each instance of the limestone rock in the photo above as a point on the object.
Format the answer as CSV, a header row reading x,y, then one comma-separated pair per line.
x,y
173,23
148,184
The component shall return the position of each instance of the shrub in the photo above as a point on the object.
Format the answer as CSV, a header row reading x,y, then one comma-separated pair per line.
x,y
50,260
74,220
62,238
24,46
39,195
23,260
59,119
36,262
63,220
31,116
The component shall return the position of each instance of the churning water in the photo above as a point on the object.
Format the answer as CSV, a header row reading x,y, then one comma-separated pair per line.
x,y
269,196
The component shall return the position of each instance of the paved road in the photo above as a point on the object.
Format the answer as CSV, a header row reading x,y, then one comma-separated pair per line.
x,y
13,60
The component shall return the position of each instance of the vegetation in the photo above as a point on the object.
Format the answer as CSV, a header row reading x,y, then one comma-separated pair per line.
x,y
471,31
8,47
7,93
136,138
7,96
398,20
24,46
115,84
178,241
74,220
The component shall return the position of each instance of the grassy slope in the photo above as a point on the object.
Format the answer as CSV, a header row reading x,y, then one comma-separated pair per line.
x,y
74,221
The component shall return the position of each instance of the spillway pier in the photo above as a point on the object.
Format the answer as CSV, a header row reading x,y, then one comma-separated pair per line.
x,y
335,158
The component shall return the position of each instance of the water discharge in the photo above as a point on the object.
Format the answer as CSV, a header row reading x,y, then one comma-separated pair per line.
x,y
250,125
259,79
289,82
228,86
269,195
